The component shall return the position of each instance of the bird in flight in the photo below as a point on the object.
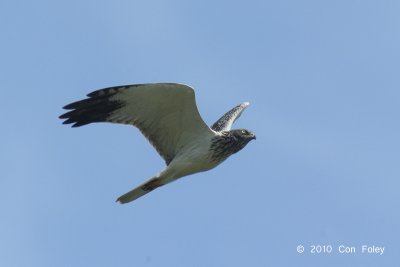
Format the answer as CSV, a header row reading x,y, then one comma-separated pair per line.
x,y
167,115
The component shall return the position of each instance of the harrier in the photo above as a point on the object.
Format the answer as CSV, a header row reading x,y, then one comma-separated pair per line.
x,y
167,115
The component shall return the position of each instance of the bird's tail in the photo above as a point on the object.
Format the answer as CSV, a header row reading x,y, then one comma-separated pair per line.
x,y
141,190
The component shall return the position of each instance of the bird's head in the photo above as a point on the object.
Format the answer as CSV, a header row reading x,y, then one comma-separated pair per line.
x,y
230,142
243,134
242,137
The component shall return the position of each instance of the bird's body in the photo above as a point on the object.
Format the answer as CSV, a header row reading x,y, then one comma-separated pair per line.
x,y
167,115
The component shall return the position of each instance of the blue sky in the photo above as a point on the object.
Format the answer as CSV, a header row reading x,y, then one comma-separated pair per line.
x,y
323,81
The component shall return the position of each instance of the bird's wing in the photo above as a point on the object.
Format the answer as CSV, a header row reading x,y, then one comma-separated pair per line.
x,y
226,121
165,113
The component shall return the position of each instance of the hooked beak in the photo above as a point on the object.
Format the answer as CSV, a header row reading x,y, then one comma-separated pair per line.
x,y
253,137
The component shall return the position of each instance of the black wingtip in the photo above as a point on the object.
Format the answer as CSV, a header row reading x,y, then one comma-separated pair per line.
x,y
70,106
97,108
63,116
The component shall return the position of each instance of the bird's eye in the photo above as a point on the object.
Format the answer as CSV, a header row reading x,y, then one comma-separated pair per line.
x,y
244,132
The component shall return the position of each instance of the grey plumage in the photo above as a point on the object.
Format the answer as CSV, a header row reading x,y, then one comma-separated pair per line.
x,y
167,115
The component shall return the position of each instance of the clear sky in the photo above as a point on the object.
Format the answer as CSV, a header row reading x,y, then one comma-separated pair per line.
x,y
323,81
